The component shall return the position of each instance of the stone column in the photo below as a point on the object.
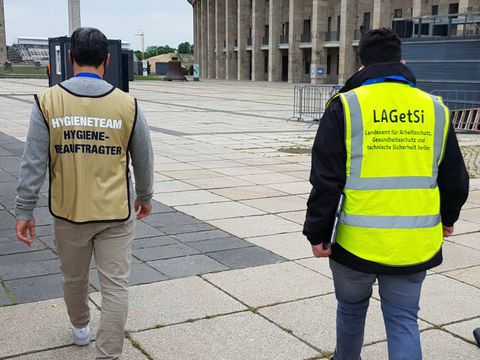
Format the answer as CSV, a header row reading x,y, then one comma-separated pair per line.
x,y
468,6
422,7
381,14
195,33
74,21
275,29
230,36
295,54
220,37
319,53
204,40
211,40
258,28
3,39
347,55
243,16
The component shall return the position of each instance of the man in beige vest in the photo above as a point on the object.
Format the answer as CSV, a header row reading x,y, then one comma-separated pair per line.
x,y
87,132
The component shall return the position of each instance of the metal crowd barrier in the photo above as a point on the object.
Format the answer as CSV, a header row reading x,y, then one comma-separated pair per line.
x,y
464,108
310,100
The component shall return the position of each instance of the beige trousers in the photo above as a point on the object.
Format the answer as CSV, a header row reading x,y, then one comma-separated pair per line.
x,y
111,244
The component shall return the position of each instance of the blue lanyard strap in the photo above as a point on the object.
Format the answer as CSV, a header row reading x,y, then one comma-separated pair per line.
x,y
88,75
389,78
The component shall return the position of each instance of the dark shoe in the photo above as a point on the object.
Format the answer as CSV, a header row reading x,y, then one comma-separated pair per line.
x,y
476,335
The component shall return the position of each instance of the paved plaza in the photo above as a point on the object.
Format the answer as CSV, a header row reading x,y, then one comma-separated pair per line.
x,y
221,269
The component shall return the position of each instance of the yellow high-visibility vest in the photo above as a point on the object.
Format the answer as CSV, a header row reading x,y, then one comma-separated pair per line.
x,y
89,141
395,139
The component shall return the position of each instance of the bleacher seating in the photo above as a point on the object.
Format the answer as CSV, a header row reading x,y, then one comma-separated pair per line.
x,y
30,53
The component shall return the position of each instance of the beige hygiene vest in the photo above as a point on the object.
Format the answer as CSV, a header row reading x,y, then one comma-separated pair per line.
x,y
89,141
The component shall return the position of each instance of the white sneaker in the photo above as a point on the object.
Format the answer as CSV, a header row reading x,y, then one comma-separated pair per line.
x,y
82,336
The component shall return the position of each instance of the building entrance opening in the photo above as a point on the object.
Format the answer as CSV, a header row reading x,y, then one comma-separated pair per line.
x,y
284,65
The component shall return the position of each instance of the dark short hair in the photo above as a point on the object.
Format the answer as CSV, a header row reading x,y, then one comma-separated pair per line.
x,y
89,46
380,46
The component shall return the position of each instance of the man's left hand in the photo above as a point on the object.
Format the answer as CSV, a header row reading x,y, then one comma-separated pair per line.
x,y
321,250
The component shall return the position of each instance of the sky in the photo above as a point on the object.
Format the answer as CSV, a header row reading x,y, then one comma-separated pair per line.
x,y
164,22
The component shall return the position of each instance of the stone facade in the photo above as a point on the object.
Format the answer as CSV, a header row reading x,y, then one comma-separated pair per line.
x,y
3,40
296,40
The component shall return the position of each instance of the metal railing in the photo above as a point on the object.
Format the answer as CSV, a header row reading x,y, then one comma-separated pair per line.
x,y
439,27
310,100
306,38
265,40
332,36
249,41
464,108
283,39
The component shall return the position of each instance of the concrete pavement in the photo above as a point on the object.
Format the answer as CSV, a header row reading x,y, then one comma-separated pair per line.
x,y
221,271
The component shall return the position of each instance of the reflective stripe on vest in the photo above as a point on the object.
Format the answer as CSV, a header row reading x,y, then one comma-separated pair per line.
x,y
392,209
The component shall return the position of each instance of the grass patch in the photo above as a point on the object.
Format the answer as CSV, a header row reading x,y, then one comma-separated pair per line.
x,y
296,150
149,77
23,70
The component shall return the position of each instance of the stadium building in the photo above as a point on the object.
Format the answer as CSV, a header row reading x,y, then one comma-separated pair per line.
x,y
317,40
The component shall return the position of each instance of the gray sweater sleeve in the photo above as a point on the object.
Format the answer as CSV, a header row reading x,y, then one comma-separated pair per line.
x,y
141,153
33,166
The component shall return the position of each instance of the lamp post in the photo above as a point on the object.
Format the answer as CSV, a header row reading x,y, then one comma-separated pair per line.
x,y
144,62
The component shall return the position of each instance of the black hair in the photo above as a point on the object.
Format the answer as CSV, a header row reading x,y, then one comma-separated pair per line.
x,y
89,46
380,46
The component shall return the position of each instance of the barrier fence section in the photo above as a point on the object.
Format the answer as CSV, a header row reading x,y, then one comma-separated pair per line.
x,y
310,100
464,108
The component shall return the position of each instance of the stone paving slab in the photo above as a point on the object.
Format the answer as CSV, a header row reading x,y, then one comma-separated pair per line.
x,y
290,246
441,294
469,275
247,192
81,353
44,325
243,336
271,284
465,329
245,257
457,256
321,266
279,204
188,198
187,266
164,252
313,320
470,240
140,273
251,226
4,298
36,288
436,345
228,243
201,236
223,210
464,226
36,268
174,301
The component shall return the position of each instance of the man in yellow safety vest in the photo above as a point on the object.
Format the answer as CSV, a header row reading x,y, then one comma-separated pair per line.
x,y
391,150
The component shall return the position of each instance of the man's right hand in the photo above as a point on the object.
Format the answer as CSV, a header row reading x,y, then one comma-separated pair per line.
x,y
142,210
447,231
321,250
25,228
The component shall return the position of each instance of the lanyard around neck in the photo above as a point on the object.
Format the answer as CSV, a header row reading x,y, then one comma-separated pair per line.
x,y
392,78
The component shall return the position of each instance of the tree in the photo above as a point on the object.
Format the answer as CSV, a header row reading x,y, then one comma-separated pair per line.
x,y
138,54
185,48
158,50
